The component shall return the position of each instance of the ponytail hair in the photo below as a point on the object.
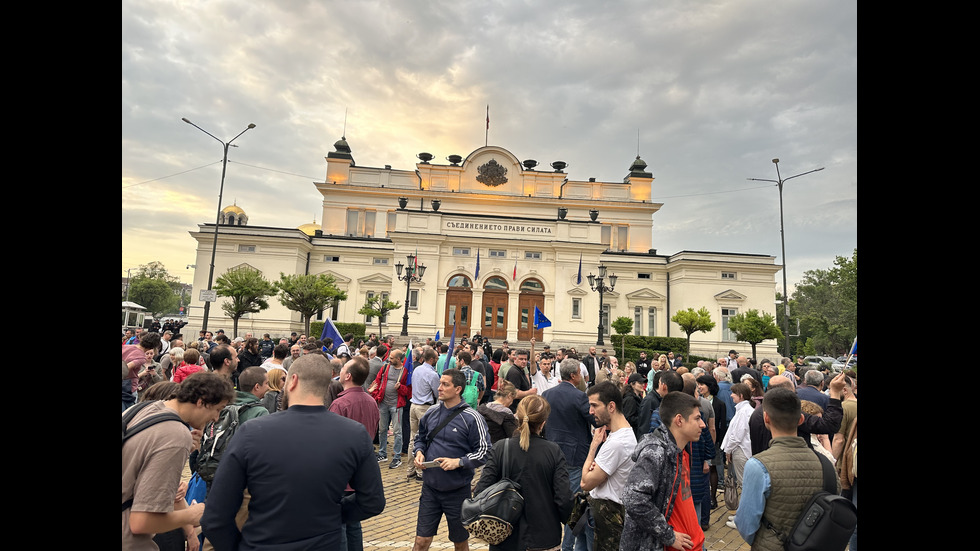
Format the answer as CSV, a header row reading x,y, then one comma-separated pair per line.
x,y
532,412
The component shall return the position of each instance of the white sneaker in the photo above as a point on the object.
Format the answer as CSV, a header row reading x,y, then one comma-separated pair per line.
x,y
731,524
731,518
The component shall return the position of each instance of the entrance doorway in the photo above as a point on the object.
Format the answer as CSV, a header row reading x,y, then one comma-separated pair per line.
x,y
532,294
494,313
459,306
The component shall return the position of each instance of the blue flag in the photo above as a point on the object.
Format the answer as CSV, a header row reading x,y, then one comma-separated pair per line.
x,y
854,347
579,280
330,332
437,337
452,345
540,322
477,276
409,364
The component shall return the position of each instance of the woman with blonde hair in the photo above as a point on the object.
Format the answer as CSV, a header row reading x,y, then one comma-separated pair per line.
x,y
500,420
273,397
662,363
538,466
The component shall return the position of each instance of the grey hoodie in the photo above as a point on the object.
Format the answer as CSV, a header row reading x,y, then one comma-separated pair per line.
x,y
650,490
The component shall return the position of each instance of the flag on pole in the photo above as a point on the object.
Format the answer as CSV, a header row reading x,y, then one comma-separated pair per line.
x,y
540,322
409,367
452,346
437,337
330,332
477,276
579,280
854,347
515,270
488,116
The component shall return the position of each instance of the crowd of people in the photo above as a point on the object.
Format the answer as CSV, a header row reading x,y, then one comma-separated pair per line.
x,y
646,445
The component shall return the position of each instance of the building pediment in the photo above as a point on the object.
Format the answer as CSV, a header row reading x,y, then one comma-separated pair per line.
x,y
375,279
730,295
577,292
646,294
340,279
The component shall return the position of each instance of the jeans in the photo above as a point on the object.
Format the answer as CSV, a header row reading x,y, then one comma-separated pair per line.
x,y
584,540
351,537
388,415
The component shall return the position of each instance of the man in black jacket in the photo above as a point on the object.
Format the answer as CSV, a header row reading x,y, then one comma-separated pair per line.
x,y
829,423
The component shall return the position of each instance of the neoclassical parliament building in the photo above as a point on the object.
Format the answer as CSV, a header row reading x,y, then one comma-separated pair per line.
x,y
497,236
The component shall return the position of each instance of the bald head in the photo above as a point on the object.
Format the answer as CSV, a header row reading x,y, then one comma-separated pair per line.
x,y
776,382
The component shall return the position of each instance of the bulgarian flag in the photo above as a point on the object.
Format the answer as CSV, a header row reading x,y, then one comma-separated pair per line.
x,y
515,270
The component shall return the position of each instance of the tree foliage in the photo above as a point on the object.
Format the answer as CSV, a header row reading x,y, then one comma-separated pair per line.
x,y
623,325
691,322
379,306
753,328
155,289
308,294
248,291
825,302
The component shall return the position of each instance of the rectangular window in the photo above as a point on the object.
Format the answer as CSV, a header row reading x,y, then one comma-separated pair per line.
x,y
606,236
726,315
370,319
329,258
638,320
532,255
497,253
380,261
246,248
353,222
413,299
391,221
605,319
728,275
576,308
644,276
370,220
622,240
461,251
651,322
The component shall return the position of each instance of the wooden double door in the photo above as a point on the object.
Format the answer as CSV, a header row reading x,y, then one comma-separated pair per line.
x,y
525,307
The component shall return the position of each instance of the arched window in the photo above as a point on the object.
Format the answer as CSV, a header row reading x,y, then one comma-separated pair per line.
x,y
532,286
459,281
495,282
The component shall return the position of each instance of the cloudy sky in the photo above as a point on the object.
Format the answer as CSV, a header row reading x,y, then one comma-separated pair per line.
x,y
708,93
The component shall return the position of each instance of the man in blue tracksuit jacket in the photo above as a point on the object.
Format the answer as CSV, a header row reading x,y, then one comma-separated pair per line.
x,y
456,437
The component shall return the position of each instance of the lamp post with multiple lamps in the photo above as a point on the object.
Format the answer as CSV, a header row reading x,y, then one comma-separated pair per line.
x,y
782,237
598,284
413,272
217,222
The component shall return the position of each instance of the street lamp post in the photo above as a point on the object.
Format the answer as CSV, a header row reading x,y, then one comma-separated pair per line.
x,y
597,284
413,272
217,221
782,237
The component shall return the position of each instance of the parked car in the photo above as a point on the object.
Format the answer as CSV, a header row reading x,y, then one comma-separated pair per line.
x,y
839,366
819,360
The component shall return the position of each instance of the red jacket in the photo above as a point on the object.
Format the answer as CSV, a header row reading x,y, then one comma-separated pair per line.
x,y
381,383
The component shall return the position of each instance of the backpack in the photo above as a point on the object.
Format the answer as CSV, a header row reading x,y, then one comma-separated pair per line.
x,y
216,436
131,412
471,394
127,418
826,522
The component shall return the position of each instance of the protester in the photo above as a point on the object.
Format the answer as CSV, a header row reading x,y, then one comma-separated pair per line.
x,y
538,466
500,420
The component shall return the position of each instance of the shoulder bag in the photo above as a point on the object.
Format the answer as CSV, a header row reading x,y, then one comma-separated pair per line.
x,y
492,514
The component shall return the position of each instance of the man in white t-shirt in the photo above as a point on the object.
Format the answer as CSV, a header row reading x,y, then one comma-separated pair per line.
x,y
542,376
608,464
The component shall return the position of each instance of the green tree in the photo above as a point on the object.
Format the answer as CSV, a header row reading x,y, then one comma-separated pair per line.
x,y
379,306
826,304
623,325
155,289
692,322
248,291
753,328
308,294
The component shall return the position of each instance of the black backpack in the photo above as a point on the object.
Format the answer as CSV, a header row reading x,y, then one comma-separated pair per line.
x,y
216,436
127,418
827,520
